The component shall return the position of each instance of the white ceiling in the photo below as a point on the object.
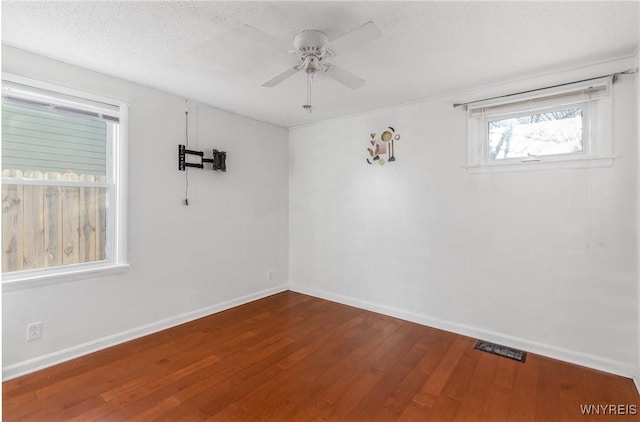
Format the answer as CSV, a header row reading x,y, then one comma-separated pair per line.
x,y
196,50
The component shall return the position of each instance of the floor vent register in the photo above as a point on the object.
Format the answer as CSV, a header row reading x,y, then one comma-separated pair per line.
x,y
505,351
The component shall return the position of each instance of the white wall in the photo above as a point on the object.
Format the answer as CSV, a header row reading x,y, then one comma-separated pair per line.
x,y
542,260
185,261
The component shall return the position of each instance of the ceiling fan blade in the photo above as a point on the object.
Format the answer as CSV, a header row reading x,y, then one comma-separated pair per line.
x,y
356,38
281,77
260,36
344,77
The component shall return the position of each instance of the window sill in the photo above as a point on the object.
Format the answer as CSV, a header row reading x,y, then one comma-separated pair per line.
x,y
549,164
38,278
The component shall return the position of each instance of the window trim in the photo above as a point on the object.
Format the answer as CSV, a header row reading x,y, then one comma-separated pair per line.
x,y
597,129
117,262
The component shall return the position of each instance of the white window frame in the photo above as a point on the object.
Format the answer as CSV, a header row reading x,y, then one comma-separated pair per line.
x,y
597,142
116,261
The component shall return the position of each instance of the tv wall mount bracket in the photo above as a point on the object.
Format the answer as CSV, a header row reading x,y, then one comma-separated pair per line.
x,y
218,161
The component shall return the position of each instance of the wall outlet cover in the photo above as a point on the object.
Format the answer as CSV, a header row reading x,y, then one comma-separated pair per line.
x,y
34,331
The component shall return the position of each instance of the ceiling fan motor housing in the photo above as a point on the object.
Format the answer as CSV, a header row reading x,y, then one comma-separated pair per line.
x,y
311,43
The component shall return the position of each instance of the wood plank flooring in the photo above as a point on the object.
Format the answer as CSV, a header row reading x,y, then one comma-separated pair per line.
x,y
291,357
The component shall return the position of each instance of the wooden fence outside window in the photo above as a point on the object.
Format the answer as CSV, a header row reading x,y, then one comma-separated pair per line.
x,y
51,225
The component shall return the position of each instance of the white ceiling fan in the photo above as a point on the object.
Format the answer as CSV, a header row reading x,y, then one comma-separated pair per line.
x,y
313,48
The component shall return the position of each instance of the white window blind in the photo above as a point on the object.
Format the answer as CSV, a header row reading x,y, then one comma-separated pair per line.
x,y
541,101
62,102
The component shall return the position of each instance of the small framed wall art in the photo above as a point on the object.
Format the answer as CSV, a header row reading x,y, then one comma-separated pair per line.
x,y
381,148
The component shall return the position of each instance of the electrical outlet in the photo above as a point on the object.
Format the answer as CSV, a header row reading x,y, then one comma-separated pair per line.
x,y
34,331
269,274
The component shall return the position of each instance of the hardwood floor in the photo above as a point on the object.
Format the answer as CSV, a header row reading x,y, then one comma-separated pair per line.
x,y
291,357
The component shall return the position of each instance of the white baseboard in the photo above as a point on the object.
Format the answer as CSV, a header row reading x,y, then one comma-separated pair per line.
x,y
571,356
41,362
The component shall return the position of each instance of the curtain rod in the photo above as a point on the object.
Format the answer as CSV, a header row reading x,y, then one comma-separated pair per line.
x,y
613,76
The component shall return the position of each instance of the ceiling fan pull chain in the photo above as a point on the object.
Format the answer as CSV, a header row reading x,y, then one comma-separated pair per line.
x,y
308,105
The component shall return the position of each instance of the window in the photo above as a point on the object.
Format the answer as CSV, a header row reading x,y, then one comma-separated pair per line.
x,y
62,181
536,135
550,127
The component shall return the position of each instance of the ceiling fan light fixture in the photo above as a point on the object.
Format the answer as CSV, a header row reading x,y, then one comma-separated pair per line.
x,y
311,48
310,42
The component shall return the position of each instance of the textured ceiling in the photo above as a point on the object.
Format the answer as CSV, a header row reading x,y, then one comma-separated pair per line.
x,y
196,49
